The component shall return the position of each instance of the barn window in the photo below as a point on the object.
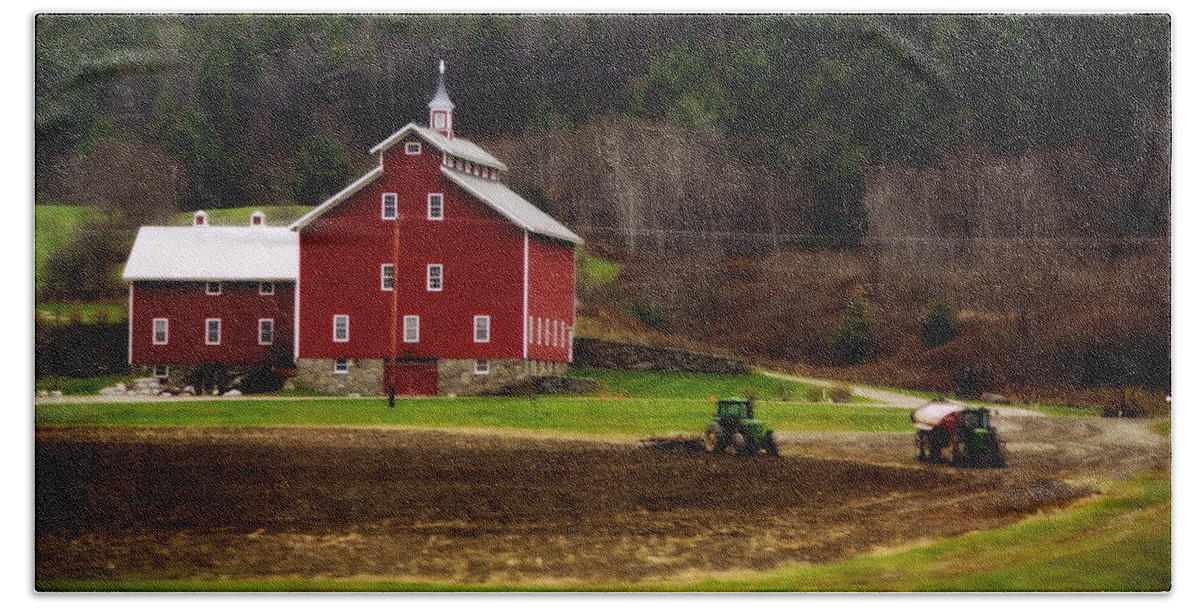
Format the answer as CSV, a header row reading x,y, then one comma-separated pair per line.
x,y
341,328
433,277
160,331
212,288
436,212
412,328
161,371
387,277
266,331
413,147
266,289
341,366
483,328
388,210
212,334
482,367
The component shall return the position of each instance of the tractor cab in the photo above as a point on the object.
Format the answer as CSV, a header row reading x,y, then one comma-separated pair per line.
x,y
735,409
975,418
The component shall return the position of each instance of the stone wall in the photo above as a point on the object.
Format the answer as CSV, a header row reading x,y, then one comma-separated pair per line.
x,y
594,352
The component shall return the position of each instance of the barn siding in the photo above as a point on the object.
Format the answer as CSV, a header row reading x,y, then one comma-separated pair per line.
x,y
481,253
551,295
187,306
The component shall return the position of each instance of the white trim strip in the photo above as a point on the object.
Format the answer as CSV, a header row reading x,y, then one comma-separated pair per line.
x,y
296,318
525,304
129,322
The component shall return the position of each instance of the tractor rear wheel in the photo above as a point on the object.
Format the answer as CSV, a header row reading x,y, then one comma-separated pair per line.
x,y
771,447
715,440
739,443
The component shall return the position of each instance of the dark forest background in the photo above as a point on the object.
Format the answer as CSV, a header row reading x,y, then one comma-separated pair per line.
x,y
801,188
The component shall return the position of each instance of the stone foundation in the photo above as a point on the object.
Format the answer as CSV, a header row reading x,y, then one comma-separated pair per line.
x,y
362,377
458,377
455,376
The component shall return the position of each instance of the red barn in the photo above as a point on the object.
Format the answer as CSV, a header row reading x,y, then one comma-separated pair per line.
x,y
426,275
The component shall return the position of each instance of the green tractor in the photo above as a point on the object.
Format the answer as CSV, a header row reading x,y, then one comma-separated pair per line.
x,y
734,426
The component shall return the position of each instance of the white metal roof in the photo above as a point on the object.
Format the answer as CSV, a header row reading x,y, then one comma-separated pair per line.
x,y
214,253
509,204
458,146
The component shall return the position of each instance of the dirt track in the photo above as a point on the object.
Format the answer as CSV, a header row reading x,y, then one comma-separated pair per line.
x,y
474,507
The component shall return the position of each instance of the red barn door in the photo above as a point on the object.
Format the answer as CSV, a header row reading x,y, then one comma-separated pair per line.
x,y
411,376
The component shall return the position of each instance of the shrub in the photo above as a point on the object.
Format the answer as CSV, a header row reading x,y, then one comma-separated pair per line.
x,y
814,394
86,268
971,381
940,324
842,393
651,315
856,339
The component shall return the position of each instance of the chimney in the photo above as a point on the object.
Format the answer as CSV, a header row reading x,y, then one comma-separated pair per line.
x,y
200,219
258,219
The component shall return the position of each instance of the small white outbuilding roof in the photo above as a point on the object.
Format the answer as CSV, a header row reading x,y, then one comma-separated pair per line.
x,y
214,253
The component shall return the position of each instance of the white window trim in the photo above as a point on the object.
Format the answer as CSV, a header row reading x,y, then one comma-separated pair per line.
x,y
383,268
208,332
271,334
383,214
487,327
554,334
335,328
482,367
210,292
429,206
166,371
416,326
264,290
441,278
341,366
166,331
412,148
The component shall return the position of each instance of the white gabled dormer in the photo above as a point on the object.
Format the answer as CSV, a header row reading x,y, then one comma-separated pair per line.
x,y
258,219
441,109
200,219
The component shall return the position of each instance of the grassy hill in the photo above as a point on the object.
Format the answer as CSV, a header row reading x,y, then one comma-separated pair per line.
x,y
53,227
280,215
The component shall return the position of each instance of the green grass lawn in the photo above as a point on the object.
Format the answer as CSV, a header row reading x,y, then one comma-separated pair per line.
x,y
629,404
53,227
700,386
631,417
1120,541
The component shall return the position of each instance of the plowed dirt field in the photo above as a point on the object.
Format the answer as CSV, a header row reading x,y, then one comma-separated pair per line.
x,y
465,506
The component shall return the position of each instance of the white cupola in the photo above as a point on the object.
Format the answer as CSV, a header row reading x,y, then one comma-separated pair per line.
x,y
258,218
441,109
200,219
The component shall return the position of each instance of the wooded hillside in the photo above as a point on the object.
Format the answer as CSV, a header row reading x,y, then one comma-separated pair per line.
x,y
990,159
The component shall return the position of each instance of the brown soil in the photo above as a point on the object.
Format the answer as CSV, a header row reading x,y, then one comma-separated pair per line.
x,y
478,507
